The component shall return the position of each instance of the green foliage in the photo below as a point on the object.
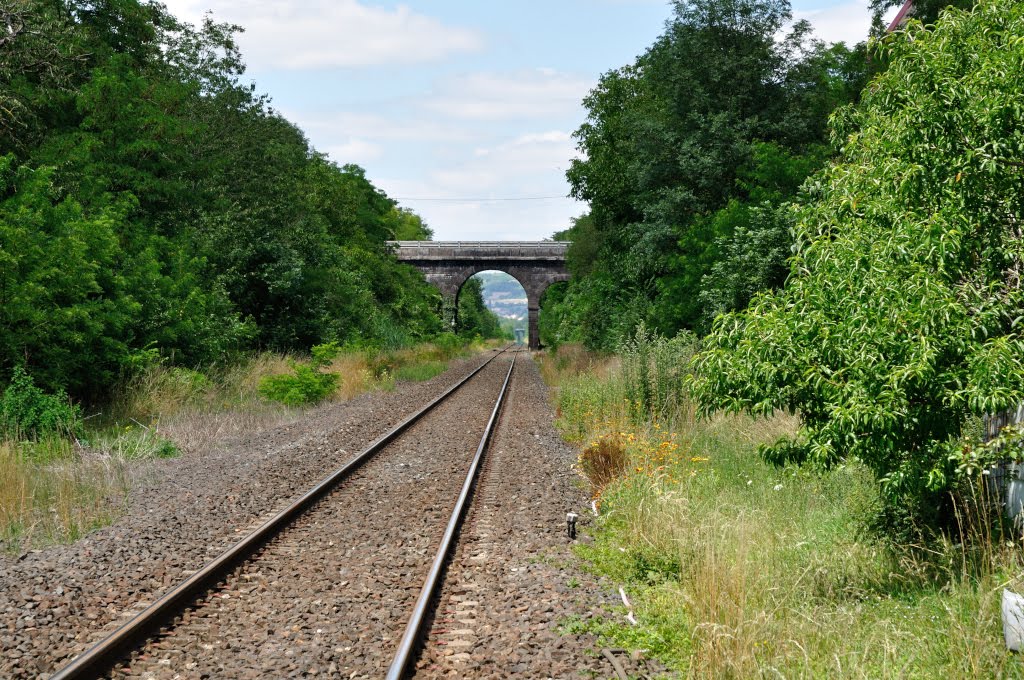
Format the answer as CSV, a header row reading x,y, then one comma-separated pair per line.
x,y
420,371
152,205
307,384
325,353
900,322
925,11
751,260
653,369
685,157
27,412
473,317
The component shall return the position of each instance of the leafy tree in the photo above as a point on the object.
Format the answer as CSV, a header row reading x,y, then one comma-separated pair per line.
x,y
900,321
925,11
406,225
680,135
473,317
152,203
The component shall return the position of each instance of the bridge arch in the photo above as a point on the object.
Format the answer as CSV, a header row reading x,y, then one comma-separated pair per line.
x,y
516,302
448,264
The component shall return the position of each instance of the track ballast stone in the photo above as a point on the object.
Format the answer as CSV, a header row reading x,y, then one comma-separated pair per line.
x,y
331,594
56,602
331,597
511,584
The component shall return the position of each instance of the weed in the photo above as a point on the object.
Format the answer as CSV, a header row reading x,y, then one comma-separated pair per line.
x,y
56,501
26,412
602,463
420,372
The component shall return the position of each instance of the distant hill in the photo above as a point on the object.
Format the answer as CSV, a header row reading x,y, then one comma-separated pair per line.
x,y
504,296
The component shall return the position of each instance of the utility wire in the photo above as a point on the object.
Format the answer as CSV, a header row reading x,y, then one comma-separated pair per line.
x,y
479,200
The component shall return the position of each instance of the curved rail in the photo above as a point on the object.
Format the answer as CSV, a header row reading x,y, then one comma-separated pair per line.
x,y
104,654
412,630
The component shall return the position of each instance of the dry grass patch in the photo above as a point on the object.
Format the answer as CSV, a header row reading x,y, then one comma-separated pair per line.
x,y
52,491
58,500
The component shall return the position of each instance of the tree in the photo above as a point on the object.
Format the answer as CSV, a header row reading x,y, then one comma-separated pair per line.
x,y
473,316
901,318
150,202
674,138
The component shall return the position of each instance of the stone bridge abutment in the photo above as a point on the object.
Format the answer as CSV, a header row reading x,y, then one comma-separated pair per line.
x,y
449,264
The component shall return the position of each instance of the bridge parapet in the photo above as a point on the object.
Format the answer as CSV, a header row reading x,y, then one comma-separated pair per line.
x,y
481,250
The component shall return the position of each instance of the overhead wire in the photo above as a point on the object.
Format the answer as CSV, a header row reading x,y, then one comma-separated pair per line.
x,y
479,200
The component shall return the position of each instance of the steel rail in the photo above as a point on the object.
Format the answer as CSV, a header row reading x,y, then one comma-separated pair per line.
x,y
412,630
111,649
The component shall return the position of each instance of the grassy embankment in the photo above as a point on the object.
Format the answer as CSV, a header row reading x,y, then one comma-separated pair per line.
x,y
55,489
736,568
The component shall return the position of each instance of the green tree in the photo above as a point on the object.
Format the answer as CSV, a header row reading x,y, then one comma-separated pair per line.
x,y
473,316
680,135
900,320
152,203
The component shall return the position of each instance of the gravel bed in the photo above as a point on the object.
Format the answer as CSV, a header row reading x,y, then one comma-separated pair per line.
x,y
332,594
511,583
55,602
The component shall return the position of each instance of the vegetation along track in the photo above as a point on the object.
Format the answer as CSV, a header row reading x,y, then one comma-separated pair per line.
x,y
334,588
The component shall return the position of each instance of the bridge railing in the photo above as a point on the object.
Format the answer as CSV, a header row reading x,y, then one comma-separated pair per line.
x,y
490,250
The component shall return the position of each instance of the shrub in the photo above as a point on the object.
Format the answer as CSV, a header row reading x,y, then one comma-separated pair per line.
x,y
307,384
28,412
900,320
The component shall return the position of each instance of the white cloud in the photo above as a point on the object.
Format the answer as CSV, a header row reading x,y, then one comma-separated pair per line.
x,y
377,127
355,150
332,33
848,22
535,93
527,166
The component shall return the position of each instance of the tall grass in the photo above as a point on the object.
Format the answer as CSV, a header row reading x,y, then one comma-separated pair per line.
x,y
737,568
55,488
58,498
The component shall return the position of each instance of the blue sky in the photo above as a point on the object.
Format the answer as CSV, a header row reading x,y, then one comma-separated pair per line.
x,y
461,110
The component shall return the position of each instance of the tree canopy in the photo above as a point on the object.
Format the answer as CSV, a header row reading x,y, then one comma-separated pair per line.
x,y
901,317
685,155
150,200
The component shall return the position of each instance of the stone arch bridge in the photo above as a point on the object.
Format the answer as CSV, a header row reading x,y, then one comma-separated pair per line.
x,y
448,264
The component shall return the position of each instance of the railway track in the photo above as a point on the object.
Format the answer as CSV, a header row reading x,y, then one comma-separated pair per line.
x,y
331,577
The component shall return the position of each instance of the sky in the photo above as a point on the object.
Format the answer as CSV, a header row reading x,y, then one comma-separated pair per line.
x,y
461,110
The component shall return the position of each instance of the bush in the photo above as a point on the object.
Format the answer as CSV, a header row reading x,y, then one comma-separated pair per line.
x,y
900,320
307,384
26,412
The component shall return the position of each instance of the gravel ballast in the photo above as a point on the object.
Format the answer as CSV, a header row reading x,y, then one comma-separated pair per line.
x,y
330,597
